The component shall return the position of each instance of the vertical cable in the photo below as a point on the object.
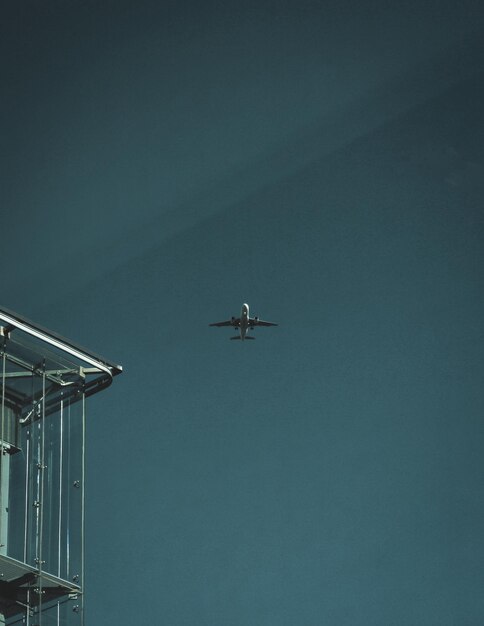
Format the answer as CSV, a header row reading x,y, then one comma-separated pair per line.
x,y
35,465
41,467
2,451
83,493
27,610
29,453
26,503
3,480
68,493
61,460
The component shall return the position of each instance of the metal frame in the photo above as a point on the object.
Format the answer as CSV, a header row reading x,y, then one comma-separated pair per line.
x,y
10,322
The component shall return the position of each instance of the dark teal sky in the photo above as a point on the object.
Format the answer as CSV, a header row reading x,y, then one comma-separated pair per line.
x,y
161,164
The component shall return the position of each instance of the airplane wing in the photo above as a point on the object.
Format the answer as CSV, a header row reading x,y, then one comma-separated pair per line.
x,y
235,321
255,321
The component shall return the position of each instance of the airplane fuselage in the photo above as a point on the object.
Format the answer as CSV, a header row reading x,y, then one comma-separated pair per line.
x,y
244,321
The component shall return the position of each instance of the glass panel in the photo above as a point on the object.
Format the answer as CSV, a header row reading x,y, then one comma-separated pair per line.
x,y
74,488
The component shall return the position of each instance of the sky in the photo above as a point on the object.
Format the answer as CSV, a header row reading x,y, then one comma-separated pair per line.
x,y
163,163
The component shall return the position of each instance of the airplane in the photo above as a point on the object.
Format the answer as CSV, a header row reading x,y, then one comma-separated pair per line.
x,y
243,323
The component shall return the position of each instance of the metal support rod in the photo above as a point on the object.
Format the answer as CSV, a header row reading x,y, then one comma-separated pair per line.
x,y
4,478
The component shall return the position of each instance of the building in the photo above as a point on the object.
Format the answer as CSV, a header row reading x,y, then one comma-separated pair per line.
x,y
45,381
